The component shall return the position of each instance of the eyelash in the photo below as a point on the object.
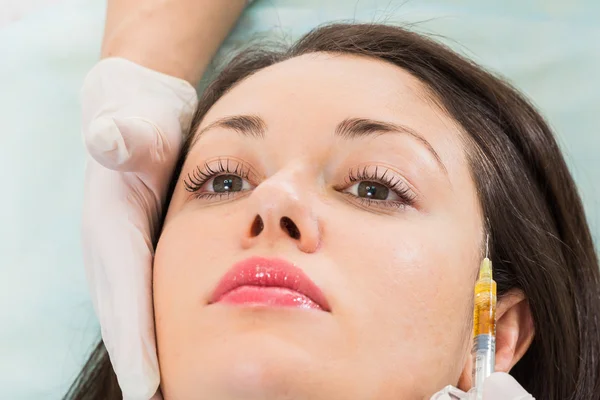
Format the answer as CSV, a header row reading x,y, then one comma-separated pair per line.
x,y
395,184
202,174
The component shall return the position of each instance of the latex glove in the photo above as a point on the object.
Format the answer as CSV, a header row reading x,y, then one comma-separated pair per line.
x,y
134,120
498,386
502,386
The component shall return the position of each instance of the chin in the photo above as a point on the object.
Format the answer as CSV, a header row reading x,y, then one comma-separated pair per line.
x,y
249,353
245,366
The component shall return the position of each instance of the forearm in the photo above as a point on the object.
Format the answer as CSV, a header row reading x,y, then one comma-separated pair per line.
x,y
176,37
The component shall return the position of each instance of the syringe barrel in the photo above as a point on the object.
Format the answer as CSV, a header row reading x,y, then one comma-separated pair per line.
x,y
484,359
484,312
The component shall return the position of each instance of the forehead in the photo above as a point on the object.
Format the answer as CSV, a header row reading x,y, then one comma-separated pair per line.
x,y
314,92
334,83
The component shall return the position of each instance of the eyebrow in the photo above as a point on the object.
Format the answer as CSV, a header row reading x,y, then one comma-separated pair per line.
x,y
354,128
351,128
246,125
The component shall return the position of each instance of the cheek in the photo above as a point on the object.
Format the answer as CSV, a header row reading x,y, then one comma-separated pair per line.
x,y
189,257
183,256
195,242
408,283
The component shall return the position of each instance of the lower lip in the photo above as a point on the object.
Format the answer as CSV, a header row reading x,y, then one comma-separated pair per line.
x,y
267,296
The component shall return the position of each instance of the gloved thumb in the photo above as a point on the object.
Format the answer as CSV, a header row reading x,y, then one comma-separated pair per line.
x,y
502,386
128,144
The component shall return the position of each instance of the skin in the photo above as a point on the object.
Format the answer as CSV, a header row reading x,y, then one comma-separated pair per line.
x,y
175,37
399,279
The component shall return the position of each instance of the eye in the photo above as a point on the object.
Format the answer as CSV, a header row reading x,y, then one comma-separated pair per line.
x,y
375,186
226,184
373,191
219,179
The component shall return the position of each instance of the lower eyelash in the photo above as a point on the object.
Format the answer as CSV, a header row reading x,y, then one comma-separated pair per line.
x,y
211,196
380,203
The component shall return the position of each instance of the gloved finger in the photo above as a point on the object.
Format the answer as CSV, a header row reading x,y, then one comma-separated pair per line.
x,y
502,386
129,144
129,111
118,253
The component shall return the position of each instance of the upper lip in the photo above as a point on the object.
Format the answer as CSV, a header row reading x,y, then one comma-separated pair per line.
x,y
259,271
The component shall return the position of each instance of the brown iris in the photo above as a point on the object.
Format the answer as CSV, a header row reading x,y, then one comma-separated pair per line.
x,y
373,190
227,183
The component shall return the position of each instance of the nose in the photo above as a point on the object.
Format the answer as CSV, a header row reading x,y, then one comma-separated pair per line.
x,y
280,211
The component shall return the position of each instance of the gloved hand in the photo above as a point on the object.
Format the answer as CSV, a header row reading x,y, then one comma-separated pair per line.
x,y
133,120
502,386
498,386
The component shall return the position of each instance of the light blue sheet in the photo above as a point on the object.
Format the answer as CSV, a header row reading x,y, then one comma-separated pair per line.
x,y
549,49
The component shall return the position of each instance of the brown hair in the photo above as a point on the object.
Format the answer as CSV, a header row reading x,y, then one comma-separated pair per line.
x,y
540,240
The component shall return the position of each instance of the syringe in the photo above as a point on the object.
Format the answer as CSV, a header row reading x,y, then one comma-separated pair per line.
x,y
484,336
484,326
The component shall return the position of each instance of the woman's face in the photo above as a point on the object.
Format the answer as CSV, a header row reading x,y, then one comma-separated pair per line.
x,y
345,168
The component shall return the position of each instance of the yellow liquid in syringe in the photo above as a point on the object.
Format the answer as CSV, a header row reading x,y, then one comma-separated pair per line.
x,y
484,310
484,327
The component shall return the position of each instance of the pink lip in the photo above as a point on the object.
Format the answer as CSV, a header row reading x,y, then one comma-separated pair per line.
x,y
268,282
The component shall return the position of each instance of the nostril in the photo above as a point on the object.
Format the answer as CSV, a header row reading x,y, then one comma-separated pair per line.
x,y
257,226
290,227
